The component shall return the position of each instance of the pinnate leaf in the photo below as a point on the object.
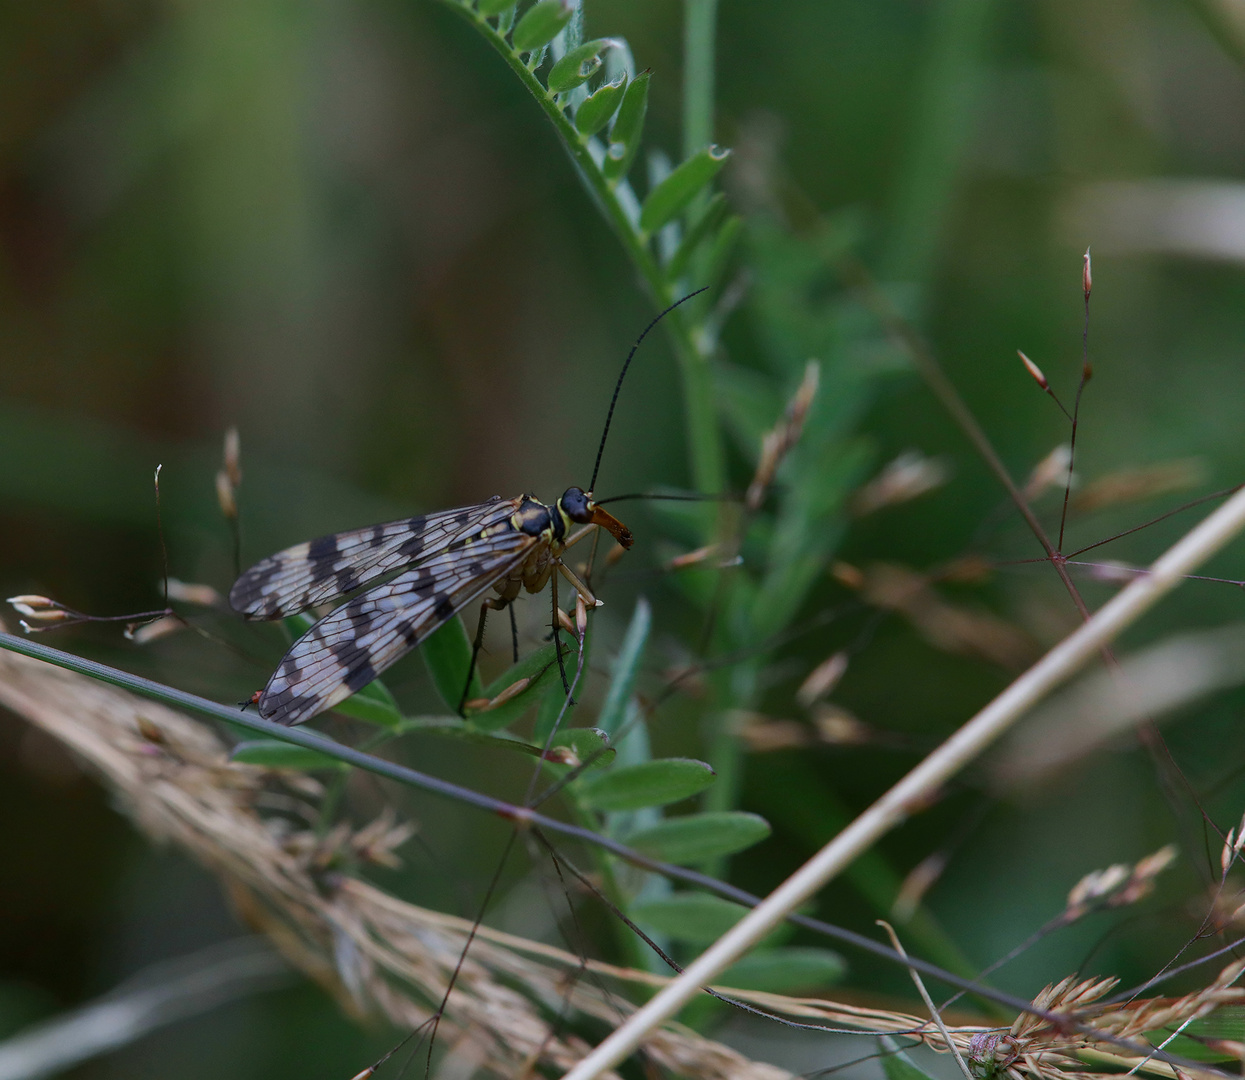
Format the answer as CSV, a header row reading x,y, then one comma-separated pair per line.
x,y
578,65
678,189
595,111
540,24
628,128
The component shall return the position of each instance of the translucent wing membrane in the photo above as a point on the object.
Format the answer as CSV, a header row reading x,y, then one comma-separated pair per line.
x,y
345,650
319,571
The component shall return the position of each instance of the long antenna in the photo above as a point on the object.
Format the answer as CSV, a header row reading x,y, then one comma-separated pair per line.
x,y
623,374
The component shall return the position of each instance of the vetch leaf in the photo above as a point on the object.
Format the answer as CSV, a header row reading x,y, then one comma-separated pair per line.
x,y
373,704
539,666
595,111
693,917
700,837
578,65
626,665
493,7
628,126
587,743
447,654
275,754
678,189
704,226
785,968
651,783
540,24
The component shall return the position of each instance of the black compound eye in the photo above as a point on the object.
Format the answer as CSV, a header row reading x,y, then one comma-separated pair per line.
x,y
576,505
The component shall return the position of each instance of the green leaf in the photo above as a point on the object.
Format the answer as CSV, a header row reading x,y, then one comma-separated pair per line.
x,y
447,653
699,837
275,754
578,65
678,189
540,24
550,707
693,917
540,666
749,401
493,7
626,665
1226,1023
628,126
531,666
596,109
374,704
651,783
587,742
897,1065
721,247
784,969
705,226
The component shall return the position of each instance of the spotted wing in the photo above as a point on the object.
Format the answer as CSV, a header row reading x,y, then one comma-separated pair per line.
x,y
348,648
319,571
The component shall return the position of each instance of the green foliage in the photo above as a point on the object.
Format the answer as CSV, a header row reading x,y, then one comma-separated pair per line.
x,y
578,65
540,24
626,668
649,783
693,918
694,838
786,969
627,129
676,192
373,704
897,1064
599,106
447,655
590,745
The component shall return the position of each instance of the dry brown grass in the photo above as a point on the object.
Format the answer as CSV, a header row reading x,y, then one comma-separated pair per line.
x,y
379,955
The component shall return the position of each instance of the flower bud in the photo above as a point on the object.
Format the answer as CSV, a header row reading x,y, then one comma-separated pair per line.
x,y
1034,370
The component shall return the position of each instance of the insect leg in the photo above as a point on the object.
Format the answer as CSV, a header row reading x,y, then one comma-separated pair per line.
x,y
492,603
583,590
514,634
557,635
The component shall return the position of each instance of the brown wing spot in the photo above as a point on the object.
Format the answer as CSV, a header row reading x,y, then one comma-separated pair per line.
x,y
322,554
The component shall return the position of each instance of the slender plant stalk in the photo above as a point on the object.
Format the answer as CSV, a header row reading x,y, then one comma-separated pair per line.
x,y
699,39
948,759
945,102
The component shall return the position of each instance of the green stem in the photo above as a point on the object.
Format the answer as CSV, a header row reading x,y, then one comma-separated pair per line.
x,y
699,34
946,99
704,444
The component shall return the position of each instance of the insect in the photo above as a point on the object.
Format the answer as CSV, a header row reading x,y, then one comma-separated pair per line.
x,y
430,568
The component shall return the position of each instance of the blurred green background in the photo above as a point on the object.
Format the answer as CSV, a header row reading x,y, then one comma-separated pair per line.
x,y
344,228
